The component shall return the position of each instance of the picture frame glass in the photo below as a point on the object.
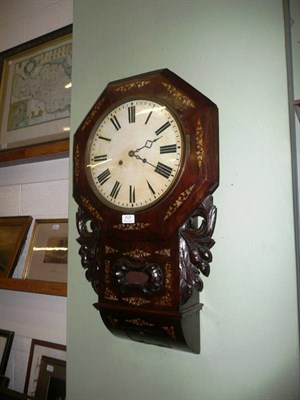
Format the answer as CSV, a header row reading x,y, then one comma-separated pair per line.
x,y
36,94
13,232
47,257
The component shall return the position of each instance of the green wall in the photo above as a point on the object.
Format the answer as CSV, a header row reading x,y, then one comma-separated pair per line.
x,y
233,52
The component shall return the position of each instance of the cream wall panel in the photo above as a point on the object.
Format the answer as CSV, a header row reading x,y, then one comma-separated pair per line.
x,y
12,34
13,9
49,18
43,315
9,200
23,20
45,199
35,172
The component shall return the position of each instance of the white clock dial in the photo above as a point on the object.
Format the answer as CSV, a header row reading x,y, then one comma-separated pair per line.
x,y
135,155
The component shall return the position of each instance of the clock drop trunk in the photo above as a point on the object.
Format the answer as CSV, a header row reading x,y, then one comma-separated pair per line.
x,y
142,295
148,290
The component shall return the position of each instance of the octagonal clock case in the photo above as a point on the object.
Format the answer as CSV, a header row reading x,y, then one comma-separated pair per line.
x,y
146,163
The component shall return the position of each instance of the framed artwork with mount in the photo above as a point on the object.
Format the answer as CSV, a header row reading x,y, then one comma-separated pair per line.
x,y
47,258
35,98
45,270
146,163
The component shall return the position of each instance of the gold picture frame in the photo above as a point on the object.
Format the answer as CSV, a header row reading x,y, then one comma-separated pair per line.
x,y
48,251
13,233
35,91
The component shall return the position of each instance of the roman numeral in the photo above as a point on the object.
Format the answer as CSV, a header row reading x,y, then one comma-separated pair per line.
x,y
115,190
171,148
104,138
131,114
162,128
100,158
131,194
115,122
151,188
149,115
104,176
163,170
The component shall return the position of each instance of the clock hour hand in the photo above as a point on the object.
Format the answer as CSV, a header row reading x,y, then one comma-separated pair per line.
x,y
145,161
160,168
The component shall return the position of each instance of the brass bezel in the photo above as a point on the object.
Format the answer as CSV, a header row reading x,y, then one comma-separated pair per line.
x,y
134,210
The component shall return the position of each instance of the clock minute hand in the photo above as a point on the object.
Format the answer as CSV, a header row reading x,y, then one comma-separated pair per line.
x,y
148,144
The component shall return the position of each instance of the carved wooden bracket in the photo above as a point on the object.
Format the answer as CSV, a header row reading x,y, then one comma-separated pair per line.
x,y
195,244
89,246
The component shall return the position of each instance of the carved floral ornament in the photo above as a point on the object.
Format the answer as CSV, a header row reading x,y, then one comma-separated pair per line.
x,y
195,245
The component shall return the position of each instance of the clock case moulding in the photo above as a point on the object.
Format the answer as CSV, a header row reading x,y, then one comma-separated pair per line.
x,y
147,274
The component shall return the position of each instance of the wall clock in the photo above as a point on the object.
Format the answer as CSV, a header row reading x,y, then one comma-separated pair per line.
x,y
145,166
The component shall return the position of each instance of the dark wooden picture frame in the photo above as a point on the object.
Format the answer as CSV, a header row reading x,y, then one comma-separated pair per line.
x,y
38,349
13,233
6,340
52,379
52,144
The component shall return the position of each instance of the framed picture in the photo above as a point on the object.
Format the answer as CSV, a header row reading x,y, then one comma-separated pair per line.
x,y
38,349
52,379
6,339
13,233
35,91
47,258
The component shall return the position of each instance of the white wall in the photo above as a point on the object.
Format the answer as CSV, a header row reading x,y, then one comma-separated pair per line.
x,y
233,52
37,189
23,20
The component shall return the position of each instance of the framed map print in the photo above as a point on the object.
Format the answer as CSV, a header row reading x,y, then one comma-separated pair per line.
x,y
35,91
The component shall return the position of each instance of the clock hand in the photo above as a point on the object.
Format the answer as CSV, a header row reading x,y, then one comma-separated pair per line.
x,y
145,161
160,168
148,144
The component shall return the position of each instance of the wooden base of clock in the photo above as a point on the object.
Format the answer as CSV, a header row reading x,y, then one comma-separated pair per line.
x,y
178,330
148,290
